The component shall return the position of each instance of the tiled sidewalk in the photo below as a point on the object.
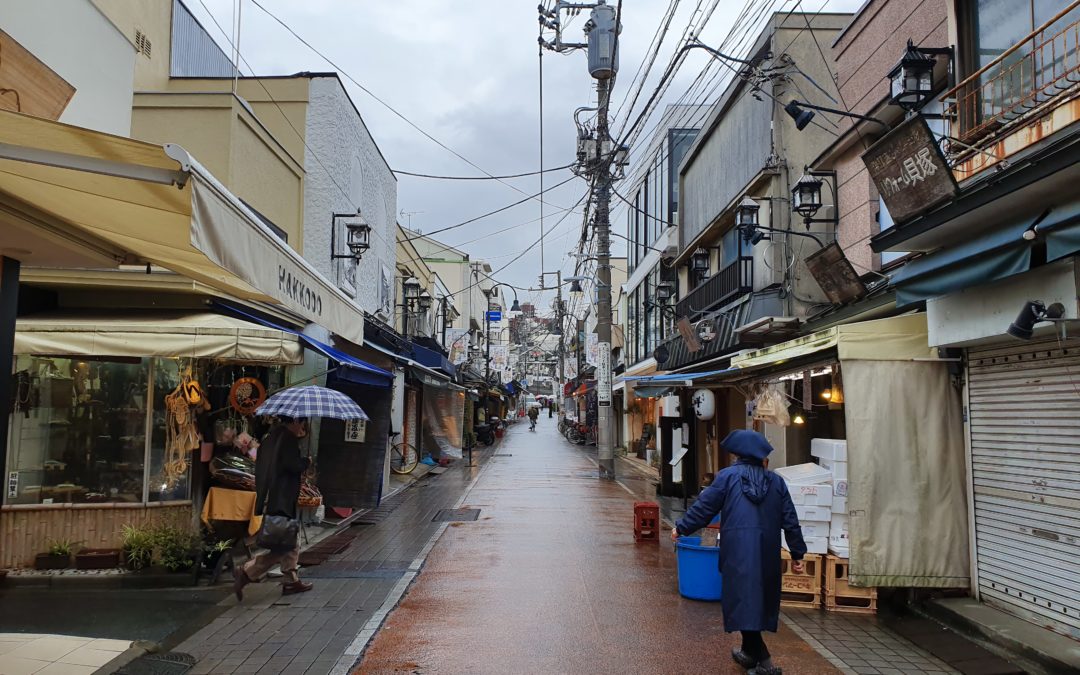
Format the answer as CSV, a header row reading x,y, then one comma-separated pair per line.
x,y
310,632
31,654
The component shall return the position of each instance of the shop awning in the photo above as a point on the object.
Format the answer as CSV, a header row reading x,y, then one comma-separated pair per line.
x,y
134,202
651,392
164,334
899,338
432,359
681,379
349,368
992,256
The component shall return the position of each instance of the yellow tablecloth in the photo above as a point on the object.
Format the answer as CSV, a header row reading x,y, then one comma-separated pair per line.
x,y
225,504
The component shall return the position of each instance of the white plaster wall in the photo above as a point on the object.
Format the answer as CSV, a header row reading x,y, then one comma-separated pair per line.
x,y
345,171
82,46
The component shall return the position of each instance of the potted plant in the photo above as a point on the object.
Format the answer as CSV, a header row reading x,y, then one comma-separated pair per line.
x,y
212,553
137,546
58,557
97,558
176,549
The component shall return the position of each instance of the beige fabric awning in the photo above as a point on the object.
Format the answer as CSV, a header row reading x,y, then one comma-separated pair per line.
x,y
900,338
188,335
136,202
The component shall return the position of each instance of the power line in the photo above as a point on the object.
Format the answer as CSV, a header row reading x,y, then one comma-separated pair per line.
x,y
381,101
491,213
513,175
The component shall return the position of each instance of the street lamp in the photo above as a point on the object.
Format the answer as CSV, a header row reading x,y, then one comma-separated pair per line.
x,y
411,288
912,79
664,291
806,196
357,238
699,261
424,300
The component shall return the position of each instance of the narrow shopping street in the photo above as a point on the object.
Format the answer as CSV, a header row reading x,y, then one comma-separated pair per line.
x,y
548,579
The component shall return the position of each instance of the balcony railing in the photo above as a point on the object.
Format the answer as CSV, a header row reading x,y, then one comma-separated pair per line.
x,y
727,284
1036,70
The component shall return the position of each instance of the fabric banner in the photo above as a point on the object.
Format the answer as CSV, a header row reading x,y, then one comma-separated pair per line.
x,y
907,496
444,412
458,339
500,357
570,367
592,349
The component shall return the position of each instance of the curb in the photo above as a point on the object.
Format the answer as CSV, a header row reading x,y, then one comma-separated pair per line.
x,y
137,649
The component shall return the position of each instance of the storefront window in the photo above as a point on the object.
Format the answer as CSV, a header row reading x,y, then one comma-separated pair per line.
x,y
78,433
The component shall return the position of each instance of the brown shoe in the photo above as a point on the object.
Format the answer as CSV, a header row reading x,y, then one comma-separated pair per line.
x,y
240,579
295,587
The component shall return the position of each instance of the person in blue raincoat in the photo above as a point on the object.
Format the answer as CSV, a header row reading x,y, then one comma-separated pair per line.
x,y
754,506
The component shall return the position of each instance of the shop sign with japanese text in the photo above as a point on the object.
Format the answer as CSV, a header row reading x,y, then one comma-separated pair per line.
x,y
603,374
909,170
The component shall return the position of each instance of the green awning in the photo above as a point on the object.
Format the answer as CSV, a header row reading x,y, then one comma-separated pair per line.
x,y
997,254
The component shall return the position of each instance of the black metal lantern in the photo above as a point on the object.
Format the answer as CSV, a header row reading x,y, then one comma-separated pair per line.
x,y
699,261
424,300
664,291
575,286
746,214
411,287
912,79
806,196
359,238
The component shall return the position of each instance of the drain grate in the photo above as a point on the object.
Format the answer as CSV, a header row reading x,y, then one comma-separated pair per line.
x,y
169,663
451,515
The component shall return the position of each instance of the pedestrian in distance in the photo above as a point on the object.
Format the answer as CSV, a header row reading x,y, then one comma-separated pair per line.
x,y
754,506
278,471
551,409
534,412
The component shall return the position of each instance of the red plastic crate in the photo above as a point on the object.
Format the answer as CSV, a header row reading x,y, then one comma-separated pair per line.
x,y
646,521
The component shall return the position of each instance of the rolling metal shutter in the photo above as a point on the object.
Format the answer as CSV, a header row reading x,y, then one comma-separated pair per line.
x,y
1024,407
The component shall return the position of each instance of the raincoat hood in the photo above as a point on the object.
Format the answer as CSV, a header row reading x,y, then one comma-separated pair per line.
x,y
754,480
746,443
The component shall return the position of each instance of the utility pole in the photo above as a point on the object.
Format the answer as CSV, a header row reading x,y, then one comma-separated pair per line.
x,y
601,163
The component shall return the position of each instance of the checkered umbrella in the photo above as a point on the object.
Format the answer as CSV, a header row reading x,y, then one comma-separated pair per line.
x,y
312,401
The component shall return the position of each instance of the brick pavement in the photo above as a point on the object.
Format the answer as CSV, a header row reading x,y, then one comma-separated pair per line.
x,y
310,632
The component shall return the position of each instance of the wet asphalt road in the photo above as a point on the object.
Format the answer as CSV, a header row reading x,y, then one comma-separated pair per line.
x,y
549,580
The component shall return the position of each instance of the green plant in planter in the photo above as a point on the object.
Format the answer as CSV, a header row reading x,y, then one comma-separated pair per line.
x,y
138,546
176,548
62,548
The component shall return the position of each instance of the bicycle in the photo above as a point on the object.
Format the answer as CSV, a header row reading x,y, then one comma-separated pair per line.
x,y
403,456
574,435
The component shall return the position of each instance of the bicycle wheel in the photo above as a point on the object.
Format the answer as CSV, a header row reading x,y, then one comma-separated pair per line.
x,y
403,458
574,436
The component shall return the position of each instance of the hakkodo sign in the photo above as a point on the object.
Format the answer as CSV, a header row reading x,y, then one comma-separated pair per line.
x,y
909,170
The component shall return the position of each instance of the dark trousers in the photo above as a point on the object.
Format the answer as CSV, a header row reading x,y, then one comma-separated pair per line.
x,y
754,646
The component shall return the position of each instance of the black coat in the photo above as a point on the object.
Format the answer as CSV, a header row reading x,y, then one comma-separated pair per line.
x,y
278,469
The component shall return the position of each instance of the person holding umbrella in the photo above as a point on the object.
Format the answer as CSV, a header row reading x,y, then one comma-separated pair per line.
x,y
278,471
755,506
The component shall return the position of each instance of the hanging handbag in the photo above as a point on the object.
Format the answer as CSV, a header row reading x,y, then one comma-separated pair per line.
x,y
278,534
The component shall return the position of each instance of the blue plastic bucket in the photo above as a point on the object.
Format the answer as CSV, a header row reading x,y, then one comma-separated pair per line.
x,y
699,569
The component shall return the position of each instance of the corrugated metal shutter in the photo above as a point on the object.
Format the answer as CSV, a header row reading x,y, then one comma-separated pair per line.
x,y
1024,406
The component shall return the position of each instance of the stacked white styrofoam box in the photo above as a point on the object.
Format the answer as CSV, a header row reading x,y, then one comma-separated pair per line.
x,y
812,493
833,455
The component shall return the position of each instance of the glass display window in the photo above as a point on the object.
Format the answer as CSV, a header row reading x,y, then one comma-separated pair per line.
x,y
79,431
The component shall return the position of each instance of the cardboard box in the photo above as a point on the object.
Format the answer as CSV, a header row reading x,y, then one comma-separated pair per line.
x,y
837,468
812,513
840,488
839,505
829,448
815,528
811,495
805,474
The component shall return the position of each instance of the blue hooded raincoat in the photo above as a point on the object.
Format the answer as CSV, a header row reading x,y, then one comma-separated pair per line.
x,y
754,506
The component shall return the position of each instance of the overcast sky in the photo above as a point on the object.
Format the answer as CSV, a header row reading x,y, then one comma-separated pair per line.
x,y
466,72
